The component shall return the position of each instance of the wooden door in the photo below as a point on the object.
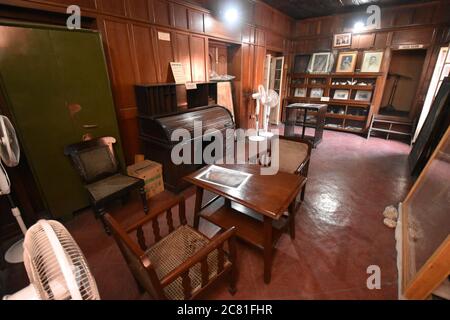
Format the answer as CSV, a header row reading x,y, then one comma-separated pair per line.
x,y
276,84
68,96
267,70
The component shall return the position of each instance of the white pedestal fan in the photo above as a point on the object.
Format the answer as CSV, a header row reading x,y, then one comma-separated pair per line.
x,y
10,155
55,265
269,99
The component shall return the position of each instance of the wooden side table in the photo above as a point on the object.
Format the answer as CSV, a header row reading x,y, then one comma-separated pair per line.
x,y
256,209
291,120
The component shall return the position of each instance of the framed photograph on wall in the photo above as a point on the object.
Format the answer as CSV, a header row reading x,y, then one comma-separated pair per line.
x,y
316,93
372,61
363,95
342,40
341,95
320,62
300,93
301,62
346,62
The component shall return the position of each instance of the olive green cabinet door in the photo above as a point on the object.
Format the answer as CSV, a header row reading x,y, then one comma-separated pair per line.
x,y
87,87
56,85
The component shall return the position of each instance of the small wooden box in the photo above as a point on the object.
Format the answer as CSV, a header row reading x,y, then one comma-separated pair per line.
x,y
151,173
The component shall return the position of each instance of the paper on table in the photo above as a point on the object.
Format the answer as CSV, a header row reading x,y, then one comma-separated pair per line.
x,y
178,72
224,177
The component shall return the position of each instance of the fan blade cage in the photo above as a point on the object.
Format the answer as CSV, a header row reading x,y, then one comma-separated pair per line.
x,y
9,145
45,270
272,98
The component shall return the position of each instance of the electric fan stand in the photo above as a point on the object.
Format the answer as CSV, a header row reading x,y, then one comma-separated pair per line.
x,y
258,96
15,253
10,155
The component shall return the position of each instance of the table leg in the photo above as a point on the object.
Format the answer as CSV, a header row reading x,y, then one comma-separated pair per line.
x,y
304,123
198,206
291,115
268,249
292,213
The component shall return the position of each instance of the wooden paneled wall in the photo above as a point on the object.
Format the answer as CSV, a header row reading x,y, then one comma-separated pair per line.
x,y
424,24
141,37
136,34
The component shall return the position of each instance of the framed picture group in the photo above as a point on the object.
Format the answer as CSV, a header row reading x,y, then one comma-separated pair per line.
x,y
372,61
346,62
342,40
323,62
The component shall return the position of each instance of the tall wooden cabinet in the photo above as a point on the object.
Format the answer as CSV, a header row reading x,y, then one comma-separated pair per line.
x,y
56,89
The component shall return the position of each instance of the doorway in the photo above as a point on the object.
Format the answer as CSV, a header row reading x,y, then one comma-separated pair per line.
x,y
273,80
403,80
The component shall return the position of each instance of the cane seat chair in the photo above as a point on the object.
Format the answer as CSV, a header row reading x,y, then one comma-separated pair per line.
x,y
96,163
180,265
295,157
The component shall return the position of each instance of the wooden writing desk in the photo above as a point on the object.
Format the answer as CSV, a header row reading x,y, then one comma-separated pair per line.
x,y
256,209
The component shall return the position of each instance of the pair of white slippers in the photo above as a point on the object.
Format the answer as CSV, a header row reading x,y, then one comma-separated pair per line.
x,y
390,217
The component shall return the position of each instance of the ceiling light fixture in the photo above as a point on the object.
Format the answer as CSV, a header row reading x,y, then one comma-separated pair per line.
x,y
359,26
231,15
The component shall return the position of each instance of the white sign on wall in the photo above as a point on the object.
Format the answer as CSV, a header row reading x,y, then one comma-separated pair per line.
x,y
164,36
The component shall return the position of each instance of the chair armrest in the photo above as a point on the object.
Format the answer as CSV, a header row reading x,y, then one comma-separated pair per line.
x,y
304,164
177,201
202,254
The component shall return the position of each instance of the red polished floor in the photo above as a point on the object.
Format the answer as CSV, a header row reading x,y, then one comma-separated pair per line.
x,y
340,231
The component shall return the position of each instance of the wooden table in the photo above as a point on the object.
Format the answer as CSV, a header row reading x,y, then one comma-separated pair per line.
x,y
291,120
256,209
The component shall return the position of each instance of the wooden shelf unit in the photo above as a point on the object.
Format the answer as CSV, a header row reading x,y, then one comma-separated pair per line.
x,y
348,115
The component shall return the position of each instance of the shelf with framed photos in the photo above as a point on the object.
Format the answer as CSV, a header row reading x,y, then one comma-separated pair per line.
x,y
350,87
352,97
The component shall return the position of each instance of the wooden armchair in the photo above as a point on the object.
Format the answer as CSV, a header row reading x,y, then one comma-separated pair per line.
x,y
295,157
96,163
180,265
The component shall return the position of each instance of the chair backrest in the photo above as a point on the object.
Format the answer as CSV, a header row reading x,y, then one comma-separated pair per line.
x,y
94,159
295,151
139,265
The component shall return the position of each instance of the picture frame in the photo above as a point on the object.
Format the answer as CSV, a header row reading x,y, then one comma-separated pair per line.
x,y
341,95
301,62
300,92
346,62
342,40
320,62
372,61
363,95
316,93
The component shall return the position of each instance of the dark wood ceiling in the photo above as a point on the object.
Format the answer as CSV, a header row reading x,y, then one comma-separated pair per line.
x,y
302,9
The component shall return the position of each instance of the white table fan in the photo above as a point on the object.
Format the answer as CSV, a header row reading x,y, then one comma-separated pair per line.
x,y
10,155
55,265
269,99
